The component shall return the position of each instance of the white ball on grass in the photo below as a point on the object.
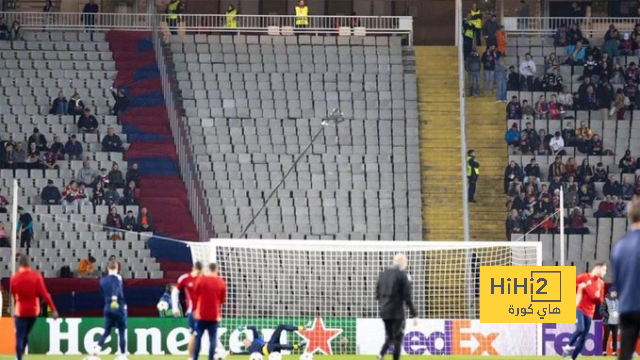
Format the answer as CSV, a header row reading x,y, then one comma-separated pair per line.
x,y
306,356
275,356
256,356
163,306
221,353
91,357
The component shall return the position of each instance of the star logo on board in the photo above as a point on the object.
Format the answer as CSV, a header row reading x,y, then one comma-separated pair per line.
x,y
319,337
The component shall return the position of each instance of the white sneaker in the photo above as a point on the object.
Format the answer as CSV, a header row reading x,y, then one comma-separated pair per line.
x,y
566,351
96,351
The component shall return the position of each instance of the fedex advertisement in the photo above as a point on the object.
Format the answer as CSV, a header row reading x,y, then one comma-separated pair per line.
x,y
451,337
555,336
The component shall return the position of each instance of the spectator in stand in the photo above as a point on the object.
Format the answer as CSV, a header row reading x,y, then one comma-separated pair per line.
x,y
620,105
575,54
560,37
89,16
97,195
631,90
584,170
490,30
60,105
540,83
612,187
600,174
111,142
554,80
87,268
512,137
4,237
501,78
114,220
501,41
130,194
111,196
473,65
528,71
583,137
51,160
526,145
605,66
489,65
3,204
73,148
34,162
612,45
627,189
58,147
514,80
121,102
606,208
4,30
115,176
593,50
571,168
626,46
621,207
569,134
519,203
145,221
542,108
566,98
595,146
19,157
550,62
557,145
609,34
527,111
632,73
585,197
129,222
87,123
76,106
72,197
514,224
636,187
133,174
617,74
627,164
86,175
542,146
574,35
577,222
50,194
514,110
589,99
557,169
8,157
511,172
591,68
104,176
15,32
531,132
532,169
606,95
25,228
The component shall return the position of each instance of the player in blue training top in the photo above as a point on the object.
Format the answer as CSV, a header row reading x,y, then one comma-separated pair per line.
x,y
273,345
115,309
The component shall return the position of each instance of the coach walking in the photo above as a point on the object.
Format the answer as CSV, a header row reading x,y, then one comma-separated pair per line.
x,y
393,292
625,261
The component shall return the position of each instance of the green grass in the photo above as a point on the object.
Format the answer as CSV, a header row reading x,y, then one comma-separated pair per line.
x,y
334,357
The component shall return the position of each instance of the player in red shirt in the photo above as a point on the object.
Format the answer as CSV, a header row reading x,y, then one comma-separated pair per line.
x,y
209,295
27,287
589,292
187,283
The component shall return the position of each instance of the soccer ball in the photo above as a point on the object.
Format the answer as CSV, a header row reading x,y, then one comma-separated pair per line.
x,y
221,353
91,357
306,356
163,306
275,356
256,356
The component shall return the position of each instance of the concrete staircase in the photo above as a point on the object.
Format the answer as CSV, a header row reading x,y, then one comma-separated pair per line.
x,y
439,106
485,134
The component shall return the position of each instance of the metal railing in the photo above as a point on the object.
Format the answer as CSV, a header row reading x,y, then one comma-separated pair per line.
x,y
186,158
189,23
548,25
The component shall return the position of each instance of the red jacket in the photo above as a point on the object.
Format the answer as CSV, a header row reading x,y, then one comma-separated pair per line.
x,y
589,299
210,292
27,287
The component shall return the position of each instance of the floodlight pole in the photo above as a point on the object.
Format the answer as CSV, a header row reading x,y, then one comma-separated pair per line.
x,y
562,242
336,117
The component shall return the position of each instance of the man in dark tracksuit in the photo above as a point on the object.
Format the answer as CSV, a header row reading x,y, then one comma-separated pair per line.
x,y
393,292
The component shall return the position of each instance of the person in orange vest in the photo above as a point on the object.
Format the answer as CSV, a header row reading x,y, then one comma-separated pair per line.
x,y
501,41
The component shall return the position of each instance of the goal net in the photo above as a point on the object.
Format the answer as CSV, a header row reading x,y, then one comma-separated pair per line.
x,y
329,285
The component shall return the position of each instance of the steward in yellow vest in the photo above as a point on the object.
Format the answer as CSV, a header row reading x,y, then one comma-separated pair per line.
x,y
473,172
231,17
173,9
475,18
302,14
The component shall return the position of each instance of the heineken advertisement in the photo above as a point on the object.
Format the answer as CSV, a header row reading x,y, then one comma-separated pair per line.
x,y
159,336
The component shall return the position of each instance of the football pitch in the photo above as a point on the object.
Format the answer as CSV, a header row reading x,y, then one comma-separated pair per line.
x,y
296,357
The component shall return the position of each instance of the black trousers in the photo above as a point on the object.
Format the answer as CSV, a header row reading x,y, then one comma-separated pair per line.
x,y
472,187
25,241
610,329
630,328
394,333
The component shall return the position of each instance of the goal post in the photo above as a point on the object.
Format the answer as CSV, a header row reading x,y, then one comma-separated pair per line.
x,y
331,284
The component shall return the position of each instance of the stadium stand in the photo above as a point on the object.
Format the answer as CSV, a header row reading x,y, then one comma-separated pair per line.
x,y
33,72
253,103
618,131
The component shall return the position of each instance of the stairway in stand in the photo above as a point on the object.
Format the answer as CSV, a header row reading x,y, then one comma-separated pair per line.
x,y
147,126
439,106
485,134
